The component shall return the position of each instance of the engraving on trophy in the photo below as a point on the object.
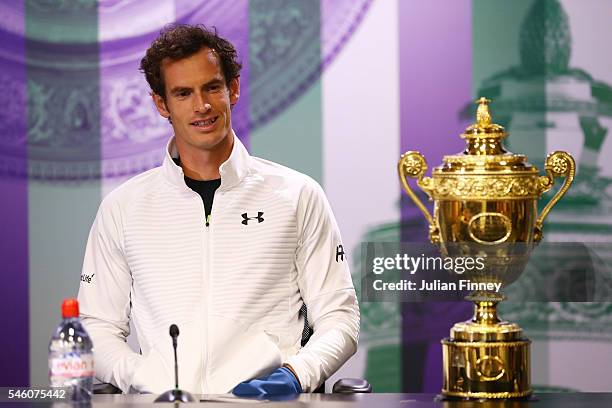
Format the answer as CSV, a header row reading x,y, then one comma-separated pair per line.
x,y
497,187
490,368
490,228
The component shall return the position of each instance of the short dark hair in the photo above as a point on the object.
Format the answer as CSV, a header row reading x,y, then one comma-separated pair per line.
x,y
178,41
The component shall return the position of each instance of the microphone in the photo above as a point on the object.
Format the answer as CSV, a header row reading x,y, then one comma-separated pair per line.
x,y
176,394
174,332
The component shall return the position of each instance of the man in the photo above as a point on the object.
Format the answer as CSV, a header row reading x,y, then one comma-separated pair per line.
x,y
225,245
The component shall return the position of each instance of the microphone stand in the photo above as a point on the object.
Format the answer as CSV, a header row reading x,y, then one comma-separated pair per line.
x,y
176,394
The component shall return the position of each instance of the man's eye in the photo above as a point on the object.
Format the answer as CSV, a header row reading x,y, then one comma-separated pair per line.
x,y
214,88
182,94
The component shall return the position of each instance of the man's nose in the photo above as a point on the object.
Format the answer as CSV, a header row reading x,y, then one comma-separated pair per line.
x,y
201,105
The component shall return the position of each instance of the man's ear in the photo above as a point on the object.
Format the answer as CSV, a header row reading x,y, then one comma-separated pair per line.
x,y
160,104
234,90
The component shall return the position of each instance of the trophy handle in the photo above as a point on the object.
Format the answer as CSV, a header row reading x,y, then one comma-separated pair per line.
x,y
558,164
413,165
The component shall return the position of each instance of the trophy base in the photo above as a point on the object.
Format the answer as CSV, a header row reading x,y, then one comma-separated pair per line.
x,y
485,358
495,401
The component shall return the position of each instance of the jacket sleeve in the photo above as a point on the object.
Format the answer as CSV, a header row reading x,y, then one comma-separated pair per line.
x,y
104,298
325,284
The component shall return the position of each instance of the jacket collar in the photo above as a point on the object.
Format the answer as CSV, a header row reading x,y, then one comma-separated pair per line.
x,y
232,171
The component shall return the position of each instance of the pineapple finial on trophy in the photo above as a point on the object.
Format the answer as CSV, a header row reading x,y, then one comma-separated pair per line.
x,y
483,116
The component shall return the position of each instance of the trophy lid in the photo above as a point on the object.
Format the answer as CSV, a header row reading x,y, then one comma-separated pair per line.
x,y
484,137
484,150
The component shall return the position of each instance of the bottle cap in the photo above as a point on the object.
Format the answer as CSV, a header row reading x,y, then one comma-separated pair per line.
x,y
70,308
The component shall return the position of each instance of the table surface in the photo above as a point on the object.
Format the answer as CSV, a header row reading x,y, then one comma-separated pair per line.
x,y
545,400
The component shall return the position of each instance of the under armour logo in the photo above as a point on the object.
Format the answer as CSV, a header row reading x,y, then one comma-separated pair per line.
x,y
246,218
339,253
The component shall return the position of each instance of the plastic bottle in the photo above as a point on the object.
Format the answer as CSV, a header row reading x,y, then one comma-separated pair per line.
x,y
71,362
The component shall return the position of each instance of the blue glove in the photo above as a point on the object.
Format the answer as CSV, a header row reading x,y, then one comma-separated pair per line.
x,y
281,382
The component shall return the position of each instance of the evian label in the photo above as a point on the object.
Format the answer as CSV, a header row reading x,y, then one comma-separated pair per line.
x,y
71,367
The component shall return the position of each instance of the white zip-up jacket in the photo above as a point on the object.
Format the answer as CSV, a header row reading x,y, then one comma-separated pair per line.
x,y
233,288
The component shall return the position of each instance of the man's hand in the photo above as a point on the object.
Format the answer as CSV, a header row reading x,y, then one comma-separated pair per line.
x,y
280,382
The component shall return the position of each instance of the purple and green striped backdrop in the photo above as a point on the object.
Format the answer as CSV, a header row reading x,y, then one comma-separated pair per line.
x,y
14,340
334,88
434,81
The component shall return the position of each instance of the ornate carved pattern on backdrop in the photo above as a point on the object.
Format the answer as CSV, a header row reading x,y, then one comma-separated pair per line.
x,y
79,128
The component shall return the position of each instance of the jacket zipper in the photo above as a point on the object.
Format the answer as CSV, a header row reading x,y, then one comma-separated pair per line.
x,y
207,263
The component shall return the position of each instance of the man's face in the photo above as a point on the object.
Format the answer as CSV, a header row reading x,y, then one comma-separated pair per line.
x,y
198,101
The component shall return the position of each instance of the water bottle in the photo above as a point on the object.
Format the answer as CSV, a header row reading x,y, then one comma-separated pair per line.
x,y
71,355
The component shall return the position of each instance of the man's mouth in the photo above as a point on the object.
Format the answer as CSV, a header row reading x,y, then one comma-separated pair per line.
x,y
204,123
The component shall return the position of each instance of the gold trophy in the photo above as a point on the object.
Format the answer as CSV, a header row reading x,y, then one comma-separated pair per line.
x,y
485,201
